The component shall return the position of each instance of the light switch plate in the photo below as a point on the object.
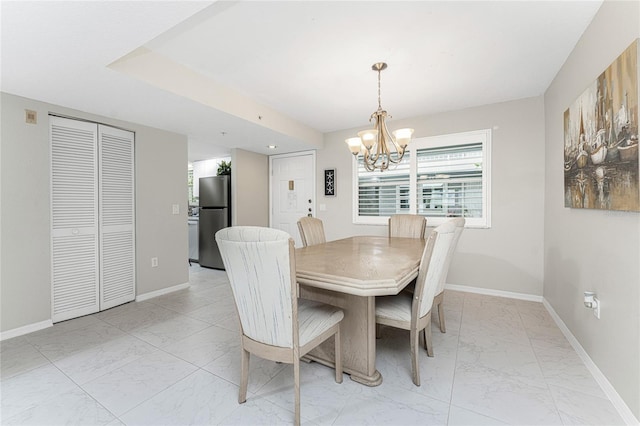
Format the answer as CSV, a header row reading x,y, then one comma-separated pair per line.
x,y
176,209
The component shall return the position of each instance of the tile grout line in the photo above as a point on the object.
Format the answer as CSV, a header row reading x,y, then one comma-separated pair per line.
x,y
544,377
455,364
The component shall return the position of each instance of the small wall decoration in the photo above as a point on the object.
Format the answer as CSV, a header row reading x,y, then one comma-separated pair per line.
x,y
330,182
601,140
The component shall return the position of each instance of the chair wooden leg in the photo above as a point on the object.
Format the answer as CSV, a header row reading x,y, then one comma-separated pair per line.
x,y
244,378
441,316
415,343
338,356
424,339
296,386
428,344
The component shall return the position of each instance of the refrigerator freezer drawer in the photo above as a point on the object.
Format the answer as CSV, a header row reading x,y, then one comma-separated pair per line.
x,y
211,221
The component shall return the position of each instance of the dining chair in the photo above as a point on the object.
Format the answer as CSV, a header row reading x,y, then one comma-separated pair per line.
x,y
311,231
407,225
413,311
439,297
275,324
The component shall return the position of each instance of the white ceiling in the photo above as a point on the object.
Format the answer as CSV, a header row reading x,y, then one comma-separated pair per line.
x,y
251,73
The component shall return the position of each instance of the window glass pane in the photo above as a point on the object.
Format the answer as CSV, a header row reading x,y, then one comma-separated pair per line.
x,y
439,177
384,193
449,181
192,200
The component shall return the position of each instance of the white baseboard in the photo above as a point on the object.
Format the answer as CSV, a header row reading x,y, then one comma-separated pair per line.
x,y
25,329
615,398
48,323
490,292
607,387
157,293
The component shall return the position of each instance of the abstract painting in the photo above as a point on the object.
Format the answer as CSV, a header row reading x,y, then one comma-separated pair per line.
x,y
601,140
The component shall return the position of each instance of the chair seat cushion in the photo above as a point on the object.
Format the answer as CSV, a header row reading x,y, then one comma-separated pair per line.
x,y
396,307
314,318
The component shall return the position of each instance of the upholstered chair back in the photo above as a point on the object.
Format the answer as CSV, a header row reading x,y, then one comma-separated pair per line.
x,y
260,264
407,225
432,265
311,231
459,223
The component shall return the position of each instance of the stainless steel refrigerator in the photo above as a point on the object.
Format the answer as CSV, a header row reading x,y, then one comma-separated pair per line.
x,y
215,214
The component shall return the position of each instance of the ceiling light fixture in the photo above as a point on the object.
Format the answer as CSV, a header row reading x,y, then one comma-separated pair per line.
x,y
272,146
379,147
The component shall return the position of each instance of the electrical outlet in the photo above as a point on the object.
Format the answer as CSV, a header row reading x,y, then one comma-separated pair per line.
x,y
154,262
176,209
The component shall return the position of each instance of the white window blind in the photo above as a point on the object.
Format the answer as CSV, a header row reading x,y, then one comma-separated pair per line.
x,y
439,177
449,181
384,193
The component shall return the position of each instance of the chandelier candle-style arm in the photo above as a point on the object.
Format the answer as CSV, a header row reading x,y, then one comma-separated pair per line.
x,y
379,147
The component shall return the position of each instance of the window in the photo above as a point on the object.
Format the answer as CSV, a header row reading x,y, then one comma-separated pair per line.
x,y
383,193
439,177
193,201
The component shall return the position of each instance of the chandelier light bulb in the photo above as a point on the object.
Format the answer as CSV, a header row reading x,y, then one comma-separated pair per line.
x,y
355,145
368,137
403,137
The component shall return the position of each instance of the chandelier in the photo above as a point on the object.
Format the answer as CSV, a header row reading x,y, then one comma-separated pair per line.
x,y
378,147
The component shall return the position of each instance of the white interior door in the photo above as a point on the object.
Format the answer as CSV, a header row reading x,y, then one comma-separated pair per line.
x,y
117,218
92,218
74,218
292,191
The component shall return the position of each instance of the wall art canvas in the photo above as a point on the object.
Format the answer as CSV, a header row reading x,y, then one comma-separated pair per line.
x,y
330,182
601,167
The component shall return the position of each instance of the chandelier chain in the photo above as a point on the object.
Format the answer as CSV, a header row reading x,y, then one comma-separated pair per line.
x,y
379,104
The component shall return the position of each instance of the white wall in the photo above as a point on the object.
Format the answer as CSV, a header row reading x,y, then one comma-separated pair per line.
x,y
591,249
161,177
249,188
205,168
506,257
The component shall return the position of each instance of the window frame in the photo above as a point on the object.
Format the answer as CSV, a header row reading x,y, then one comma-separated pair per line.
x,y
464,138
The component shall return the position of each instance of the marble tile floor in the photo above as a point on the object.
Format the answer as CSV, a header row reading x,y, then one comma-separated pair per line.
x,y
174,360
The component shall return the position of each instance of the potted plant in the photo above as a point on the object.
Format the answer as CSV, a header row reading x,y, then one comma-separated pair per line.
x,y
224,168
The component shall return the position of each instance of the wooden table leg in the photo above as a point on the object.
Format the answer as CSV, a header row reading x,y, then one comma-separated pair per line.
x,y
358,330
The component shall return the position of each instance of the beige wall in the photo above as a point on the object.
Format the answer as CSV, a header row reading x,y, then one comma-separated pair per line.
x,y
249,188
590,249
25,285
161,181
161,174
508,256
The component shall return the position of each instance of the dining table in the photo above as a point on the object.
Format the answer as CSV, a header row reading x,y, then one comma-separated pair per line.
x,y
349,273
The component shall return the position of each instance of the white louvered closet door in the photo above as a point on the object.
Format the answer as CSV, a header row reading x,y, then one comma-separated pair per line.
x,y
117,218
74,218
